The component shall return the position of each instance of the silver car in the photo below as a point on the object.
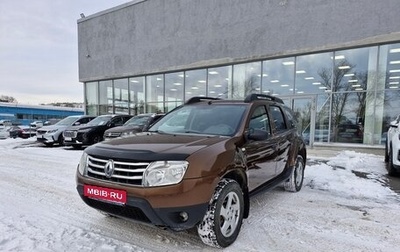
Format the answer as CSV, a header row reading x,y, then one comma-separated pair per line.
x,y
52,134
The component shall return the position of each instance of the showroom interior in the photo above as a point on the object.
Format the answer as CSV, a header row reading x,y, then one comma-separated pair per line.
x,y
336,63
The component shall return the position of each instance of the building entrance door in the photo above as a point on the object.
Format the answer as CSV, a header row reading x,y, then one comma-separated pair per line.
x,y
304,108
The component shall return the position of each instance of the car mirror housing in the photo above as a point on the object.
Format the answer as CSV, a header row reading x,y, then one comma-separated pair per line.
x,y
394,124
257,135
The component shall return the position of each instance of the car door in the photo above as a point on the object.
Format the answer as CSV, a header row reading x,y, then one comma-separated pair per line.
x,y
260,154
282,137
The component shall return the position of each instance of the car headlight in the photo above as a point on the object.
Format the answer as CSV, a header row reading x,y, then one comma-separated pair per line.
x,y
52,131
161,173
128,133
83,163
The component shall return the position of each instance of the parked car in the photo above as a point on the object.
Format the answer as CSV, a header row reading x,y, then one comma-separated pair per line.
x,y
5,132
134,125
197,166
36,124
22,131
92,132
350,133
52,134
392,148
5,123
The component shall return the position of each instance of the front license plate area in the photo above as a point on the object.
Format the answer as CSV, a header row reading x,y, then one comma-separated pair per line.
x,y
105,194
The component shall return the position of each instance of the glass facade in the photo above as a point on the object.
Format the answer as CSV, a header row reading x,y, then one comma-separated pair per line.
x,y
344,96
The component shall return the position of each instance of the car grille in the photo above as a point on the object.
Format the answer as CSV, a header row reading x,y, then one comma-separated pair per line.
x,y
70,133
41,132
130,173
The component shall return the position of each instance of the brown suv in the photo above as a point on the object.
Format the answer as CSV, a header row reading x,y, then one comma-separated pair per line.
x,y
197,166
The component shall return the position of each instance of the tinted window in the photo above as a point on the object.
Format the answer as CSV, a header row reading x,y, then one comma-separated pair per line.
x,y
278,118
290,117
259,120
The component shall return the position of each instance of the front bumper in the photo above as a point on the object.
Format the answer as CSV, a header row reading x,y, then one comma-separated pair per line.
x,y
72,141
46,138
139,209
396,152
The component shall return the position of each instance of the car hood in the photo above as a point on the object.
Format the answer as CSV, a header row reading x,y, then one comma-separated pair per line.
x,y
81,127
153,146
125,128
52,127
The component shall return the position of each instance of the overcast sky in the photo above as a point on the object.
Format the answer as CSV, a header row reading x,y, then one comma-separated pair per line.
x,y
39,48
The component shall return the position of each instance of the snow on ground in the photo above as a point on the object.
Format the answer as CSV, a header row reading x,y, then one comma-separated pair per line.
x,y
344,205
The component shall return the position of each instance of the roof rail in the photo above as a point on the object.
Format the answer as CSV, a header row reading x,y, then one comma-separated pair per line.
x,y
200,98
255,97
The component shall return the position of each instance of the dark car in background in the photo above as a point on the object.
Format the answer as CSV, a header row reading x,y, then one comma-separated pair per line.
x,y
52,134
134,125
350,133
92,132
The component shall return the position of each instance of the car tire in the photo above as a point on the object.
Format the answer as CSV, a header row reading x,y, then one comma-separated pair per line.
x,y
295,181
386,153
97,139
390,167
222,222
60,140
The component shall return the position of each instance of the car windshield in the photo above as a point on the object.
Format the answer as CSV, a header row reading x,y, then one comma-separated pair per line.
x,y
67,121
100,120
213,119
137,121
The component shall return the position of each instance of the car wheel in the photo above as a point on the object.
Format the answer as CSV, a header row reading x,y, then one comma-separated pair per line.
x,y
295,181
386,153
96,139
60,140
390,168
223,219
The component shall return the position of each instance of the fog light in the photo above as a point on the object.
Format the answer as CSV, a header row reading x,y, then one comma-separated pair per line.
x,y
184,216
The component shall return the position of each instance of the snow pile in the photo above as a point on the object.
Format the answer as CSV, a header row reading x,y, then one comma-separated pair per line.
x,y
345,205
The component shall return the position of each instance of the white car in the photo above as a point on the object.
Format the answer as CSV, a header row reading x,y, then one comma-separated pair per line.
x,y
392,148
4,132
54,133
36,124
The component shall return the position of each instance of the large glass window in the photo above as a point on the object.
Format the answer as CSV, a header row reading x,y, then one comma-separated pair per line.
x,y
278,76
155,93
355,91
91,98
348,114
136,95
220,82
195,83
106,97
121,96
314,73
389,65
246,79
174,83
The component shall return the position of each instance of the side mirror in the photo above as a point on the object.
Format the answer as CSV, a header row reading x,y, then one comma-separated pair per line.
x,y
257,135
77,123
394,124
